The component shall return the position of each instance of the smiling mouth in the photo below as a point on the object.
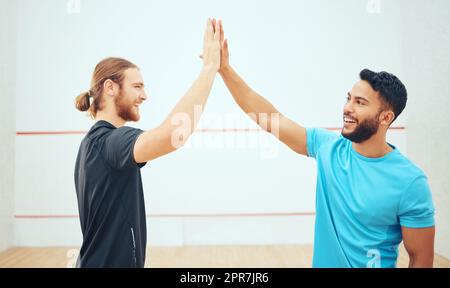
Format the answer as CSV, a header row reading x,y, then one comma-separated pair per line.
x,y
349,120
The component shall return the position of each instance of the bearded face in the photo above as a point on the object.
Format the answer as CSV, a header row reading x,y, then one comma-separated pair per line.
x,y
127,108
131,95
360,131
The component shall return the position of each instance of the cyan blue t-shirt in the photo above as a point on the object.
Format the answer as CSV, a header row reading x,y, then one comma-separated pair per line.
x,y
361,203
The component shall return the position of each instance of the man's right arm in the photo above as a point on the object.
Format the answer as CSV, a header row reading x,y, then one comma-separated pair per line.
x,y
259,109
169,136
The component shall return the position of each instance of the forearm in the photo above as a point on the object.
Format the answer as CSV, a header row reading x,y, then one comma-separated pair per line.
x,y
190,107
182,120
251,102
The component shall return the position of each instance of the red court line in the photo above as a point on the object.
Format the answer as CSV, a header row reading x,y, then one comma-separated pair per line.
x,y
224,215
28,133
203,130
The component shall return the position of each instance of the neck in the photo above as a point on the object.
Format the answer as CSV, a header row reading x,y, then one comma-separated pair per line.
x,y
111,117
374,147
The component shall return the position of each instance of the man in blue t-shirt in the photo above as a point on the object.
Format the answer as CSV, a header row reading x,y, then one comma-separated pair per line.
x,y
370,197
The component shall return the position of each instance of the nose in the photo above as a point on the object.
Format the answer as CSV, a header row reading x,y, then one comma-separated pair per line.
x,y
348,108
144,96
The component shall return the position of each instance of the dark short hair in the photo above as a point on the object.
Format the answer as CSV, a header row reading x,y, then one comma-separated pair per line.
x,y
391,89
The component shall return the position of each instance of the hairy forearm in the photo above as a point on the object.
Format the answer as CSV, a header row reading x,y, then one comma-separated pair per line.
x,y
251,102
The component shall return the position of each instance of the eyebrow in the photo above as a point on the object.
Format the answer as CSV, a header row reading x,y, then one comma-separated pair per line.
x,y
358,97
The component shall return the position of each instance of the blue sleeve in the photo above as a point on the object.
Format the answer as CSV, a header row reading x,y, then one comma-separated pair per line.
x,y
118,148
315,138
416,209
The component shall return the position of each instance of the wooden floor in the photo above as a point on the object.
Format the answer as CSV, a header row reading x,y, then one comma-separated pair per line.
x,y
189,257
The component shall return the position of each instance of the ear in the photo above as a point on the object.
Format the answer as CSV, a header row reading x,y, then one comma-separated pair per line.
x,y
110,88
387,117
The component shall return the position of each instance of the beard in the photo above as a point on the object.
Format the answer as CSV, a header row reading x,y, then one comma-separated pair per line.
x,y
126,109
364,130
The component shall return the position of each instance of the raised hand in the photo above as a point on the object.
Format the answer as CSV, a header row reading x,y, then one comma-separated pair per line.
x,y
224,54
211,45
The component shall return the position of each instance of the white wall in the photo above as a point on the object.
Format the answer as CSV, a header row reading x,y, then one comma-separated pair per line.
x,y
426,30
302,55
8,18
